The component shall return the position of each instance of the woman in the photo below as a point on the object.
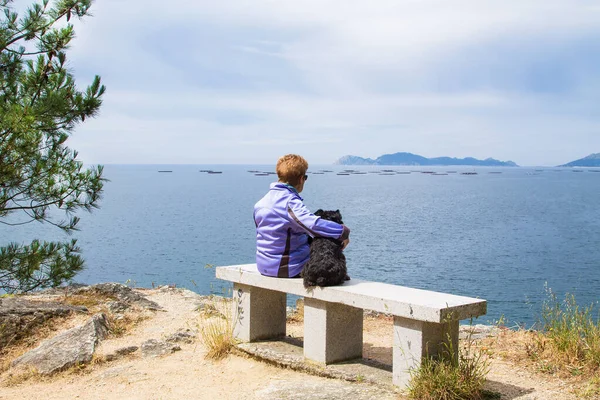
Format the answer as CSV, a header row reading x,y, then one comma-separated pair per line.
x,y
283,223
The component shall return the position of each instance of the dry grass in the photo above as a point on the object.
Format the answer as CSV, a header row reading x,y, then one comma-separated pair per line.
x,y
567,346
297,315
22,375
452,377
85,368
30,374
30,340
122,324
92,301
215,328
589,389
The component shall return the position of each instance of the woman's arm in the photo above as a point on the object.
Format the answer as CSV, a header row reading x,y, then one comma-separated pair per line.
x,y
313,225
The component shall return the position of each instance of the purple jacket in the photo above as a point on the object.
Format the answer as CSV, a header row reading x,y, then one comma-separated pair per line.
x,y
283,224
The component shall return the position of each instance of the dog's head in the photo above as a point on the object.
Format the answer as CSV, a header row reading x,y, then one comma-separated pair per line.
x,y
334,216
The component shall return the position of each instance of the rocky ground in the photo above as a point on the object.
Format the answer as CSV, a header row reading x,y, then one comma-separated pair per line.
x,y
143,344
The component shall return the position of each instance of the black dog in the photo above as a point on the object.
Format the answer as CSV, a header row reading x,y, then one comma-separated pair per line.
x,y
327,263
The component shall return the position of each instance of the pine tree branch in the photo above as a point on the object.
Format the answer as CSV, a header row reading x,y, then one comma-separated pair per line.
x,y
33,207
21,35
16,223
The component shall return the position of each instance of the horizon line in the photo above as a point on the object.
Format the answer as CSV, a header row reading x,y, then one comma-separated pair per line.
x,y
346,165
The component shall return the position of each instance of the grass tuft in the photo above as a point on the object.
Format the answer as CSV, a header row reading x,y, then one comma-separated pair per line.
x,y
216,331
91,301
120,325
569,339
590,390
450,377
20,376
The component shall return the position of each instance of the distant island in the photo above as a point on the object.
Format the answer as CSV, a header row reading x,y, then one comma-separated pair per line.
x,y
593,160
414,159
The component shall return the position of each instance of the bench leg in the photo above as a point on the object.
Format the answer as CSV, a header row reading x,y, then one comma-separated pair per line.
x,y
332,332
258,313
414,340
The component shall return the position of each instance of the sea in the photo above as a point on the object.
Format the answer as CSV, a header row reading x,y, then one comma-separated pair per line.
x,y
512,236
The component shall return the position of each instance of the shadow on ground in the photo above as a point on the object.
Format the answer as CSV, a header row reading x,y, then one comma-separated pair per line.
x,y
375,368
509,392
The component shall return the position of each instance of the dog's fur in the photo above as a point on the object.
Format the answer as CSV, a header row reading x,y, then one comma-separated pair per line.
x,y
327,263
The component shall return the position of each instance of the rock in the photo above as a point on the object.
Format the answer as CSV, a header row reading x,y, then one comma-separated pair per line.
x,y
154,348
71,347
479,331
126,350
60,290
19,316
182,335
122,293
121,352
117,307
167,288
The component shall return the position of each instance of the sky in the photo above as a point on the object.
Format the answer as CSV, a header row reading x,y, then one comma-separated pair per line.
x,y
244,82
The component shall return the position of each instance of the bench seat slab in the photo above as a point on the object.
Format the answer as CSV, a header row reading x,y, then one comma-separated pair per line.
x,y
333,332
258,313
416,340
423,305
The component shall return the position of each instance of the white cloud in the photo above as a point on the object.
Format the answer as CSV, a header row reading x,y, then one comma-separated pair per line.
x,y
204,81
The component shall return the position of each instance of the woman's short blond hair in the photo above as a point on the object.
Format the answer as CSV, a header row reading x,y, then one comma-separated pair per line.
x,y
290,168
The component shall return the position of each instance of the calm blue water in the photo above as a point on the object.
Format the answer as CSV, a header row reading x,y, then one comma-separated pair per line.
x,y
497,236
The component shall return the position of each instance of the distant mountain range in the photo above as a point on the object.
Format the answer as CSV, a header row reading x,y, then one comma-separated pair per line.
x,y
414,159
593,160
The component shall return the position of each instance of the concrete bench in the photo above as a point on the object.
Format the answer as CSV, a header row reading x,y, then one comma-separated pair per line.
x,y
425,322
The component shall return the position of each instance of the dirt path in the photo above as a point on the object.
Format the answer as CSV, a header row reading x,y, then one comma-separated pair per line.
x,y
187,374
